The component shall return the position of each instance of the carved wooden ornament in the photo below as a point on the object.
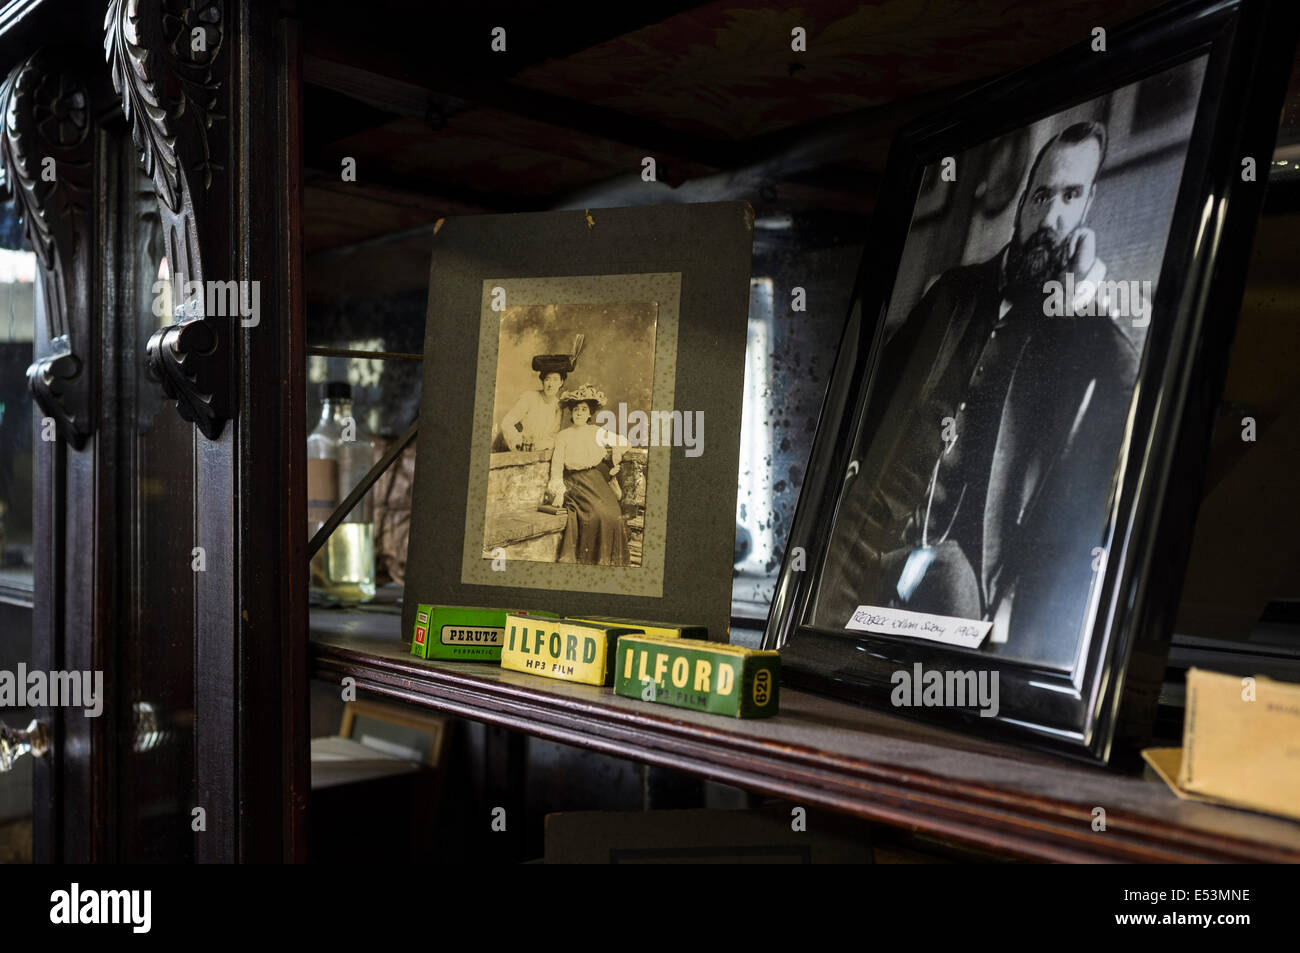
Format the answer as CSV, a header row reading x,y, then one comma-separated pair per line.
x,y
47,153
167,59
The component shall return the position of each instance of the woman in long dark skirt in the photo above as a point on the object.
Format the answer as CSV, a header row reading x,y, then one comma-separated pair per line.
x,y
587,483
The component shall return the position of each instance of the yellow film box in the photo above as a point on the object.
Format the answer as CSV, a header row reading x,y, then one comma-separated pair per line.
x,y
665,630
562,648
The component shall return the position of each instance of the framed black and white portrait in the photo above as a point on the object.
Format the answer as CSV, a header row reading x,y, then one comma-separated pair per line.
x,y
1006,470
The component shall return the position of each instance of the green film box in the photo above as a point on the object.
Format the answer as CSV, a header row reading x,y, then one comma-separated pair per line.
x,y
721,679
461,633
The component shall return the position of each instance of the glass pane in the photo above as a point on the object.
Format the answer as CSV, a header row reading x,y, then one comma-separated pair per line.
x,y
17,274
799,296
17,277
157,654
358,302
371,296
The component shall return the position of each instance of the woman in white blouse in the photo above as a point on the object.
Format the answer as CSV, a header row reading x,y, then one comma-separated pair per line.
x,y
531,424
584,480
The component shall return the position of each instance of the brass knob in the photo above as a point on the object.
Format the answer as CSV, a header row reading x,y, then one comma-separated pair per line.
x,y
15,743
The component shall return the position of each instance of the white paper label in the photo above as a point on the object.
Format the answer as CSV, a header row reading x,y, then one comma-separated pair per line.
x,y
404,752
950,630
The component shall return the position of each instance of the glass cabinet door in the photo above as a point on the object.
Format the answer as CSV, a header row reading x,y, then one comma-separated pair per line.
x,y
155,651
17,313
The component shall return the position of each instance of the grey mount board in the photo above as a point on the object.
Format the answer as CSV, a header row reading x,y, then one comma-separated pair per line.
x,y
709,246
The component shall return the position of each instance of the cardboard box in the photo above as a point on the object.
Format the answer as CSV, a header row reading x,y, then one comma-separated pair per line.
x,y
562,648
721,679
1241,744
667,630
461,633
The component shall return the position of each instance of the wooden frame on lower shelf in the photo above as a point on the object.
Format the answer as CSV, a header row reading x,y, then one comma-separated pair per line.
x,y
830,754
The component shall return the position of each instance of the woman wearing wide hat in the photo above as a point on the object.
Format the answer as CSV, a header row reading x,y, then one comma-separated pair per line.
x,y
584,479
535,418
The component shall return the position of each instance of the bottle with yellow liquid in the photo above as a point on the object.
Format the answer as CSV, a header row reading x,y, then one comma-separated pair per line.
x,y
338,455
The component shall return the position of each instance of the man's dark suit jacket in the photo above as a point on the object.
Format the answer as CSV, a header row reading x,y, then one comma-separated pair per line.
x,y
1048,464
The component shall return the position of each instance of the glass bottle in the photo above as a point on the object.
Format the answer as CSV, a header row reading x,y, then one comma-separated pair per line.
x,y
338,455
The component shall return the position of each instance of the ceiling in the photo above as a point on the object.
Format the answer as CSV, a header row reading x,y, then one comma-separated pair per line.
x,y
440,124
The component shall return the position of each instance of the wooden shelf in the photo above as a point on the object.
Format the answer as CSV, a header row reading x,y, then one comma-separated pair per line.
x,y
826,753
17,587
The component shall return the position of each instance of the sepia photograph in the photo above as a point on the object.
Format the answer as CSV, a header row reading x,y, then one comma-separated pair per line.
x,y
979,496
565,484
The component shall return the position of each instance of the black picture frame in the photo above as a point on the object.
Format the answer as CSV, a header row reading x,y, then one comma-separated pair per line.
x,y
1102,710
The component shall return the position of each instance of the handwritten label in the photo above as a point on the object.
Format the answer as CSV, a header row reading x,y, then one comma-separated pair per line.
x,y
950,630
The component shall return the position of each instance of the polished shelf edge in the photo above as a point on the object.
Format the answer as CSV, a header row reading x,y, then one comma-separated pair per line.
x,y
979,814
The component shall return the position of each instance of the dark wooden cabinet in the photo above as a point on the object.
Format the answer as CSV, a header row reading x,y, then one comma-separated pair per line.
x,y
200,141
164,557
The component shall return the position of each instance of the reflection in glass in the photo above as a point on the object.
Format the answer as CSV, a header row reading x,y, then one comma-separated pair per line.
x,y
17,284
756,569
156,652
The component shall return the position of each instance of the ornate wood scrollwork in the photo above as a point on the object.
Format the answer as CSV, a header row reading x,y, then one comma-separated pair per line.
x,y
47,153
167,59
